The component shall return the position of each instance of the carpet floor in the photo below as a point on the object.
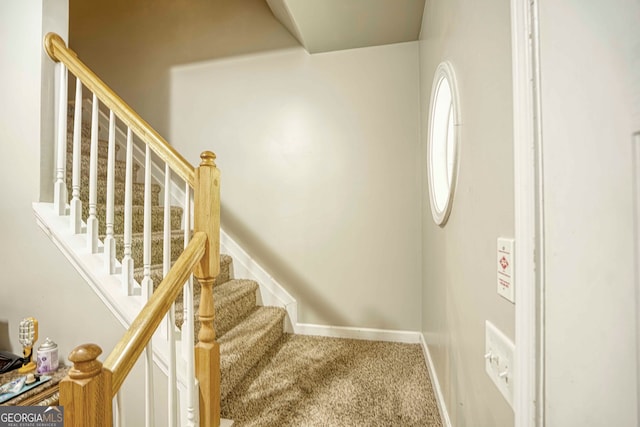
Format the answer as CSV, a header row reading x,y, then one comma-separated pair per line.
x,y
318,381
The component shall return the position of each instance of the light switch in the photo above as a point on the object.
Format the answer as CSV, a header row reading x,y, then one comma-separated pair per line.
x,y
499,354
504,265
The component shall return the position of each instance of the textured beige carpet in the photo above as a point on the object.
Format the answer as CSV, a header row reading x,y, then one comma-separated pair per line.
x,y
317,381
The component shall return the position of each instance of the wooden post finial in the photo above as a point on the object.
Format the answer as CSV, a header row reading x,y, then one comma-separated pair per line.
x,y
208,158
85,363
48,44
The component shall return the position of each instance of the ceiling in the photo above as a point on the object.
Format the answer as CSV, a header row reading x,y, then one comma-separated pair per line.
x,y
328,25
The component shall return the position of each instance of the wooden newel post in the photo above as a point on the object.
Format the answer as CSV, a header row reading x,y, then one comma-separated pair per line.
x,y
85,393
207,350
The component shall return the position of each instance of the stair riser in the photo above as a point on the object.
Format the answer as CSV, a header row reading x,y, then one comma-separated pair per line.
x,y
119,169
137,196
137,244
85,146
243,359
156,274
225,270
230,314
226,317
137,223
85,129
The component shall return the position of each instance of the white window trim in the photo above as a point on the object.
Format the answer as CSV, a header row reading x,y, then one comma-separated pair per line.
x,y
444,70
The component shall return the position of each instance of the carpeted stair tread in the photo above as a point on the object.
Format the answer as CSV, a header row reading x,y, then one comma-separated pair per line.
x,y
85,146
156,272
157,246
226,270
85,128
137,194
233,301
85,120
245,344
137,223
85,160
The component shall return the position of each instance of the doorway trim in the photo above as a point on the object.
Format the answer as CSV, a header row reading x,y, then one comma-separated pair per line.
x,y
529,217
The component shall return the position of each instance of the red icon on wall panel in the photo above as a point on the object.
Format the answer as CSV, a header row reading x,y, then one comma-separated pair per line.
x,y
504,263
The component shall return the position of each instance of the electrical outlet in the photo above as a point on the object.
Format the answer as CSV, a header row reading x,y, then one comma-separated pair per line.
x,y
499,353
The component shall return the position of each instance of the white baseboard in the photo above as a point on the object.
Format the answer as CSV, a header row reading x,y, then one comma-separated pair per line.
x,y
271,292
442,406
408,337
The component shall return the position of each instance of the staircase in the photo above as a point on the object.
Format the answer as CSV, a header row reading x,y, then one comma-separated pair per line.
x,y
245,331
134,244
119,222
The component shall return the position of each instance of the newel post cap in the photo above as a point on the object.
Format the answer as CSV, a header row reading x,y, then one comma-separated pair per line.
x,y
85,363
208,158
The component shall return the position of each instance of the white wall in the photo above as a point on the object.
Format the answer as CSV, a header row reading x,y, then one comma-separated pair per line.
x,y
459,259
590,59
36,278
320,182
132,45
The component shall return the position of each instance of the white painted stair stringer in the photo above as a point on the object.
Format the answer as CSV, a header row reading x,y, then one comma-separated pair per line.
x,y
107,287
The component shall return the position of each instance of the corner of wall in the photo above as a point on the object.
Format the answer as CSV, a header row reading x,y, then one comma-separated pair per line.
x,y
55,18
435,383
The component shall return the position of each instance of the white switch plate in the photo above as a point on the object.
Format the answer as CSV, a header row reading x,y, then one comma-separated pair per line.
x,y
504,266
499,353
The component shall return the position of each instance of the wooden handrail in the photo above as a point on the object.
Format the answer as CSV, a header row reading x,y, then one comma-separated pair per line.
x,y
201,257
59,52
126,352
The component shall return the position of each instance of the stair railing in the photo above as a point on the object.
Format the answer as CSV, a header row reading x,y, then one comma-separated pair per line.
x,y
90,387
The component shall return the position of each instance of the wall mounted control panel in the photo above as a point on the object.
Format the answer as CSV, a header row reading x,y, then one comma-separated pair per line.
x,y
499,356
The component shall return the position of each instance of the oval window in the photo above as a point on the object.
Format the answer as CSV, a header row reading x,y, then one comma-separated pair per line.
x,y
444,121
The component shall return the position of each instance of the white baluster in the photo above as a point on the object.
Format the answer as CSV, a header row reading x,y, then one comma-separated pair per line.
x,y
109,241
118,420
148,386
188,326
147,282
60,187
147,286
171,316
166,250
76,203
92,221
127,260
